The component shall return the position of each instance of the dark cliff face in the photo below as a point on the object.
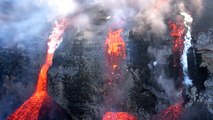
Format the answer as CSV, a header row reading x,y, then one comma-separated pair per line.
x,y
76,79
79,89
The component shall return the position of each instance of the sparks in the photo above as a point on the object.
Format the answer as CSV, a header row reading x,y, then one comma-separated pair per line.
x,y
30,109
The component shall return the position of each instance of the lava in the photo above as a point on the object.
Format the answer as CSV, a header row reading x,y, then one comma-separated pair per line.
x,y
30,109
115,47
118,116
115,50
181,33
177,32
173,112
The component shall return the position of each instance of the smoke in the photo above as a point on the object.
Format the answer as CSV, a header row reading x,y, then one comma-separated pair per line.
x,y
60,7
169,87
153,17
25,19
145,14
195,6
160,56
82,22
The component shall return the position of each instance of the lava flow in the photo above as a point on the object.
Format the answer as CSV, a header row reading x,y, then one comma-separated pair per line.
x,y
173,112
118,116
181,32
115,49
177,32
30,109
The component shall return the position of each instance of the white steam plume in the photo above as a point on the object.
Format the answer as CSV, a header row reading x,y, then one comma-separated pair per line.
x,y
187,44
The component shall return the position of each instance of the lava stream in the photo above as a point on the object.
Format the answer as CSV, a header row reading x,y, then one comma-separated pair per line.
x,y
177,33
118,116
181,32
115,48
29,110
173,112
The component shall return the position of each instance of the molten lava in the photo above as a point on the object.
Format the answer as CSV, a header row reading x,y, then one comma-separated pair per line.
x,y
31,108
115,51
181,32
115,47
173,112
177,32
118,116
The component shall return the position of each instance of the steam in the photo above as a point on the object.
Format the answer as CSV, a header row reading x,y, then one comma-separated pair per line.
x,y
60,7
153,16
195,6
187,44
160,56
169,87
147,15
30,18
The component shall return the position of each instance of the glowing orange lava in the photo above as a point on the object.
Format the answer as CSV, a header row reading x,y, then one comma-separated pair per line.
x,y
173,112
30,109
118,116
177,32
115,47
115,50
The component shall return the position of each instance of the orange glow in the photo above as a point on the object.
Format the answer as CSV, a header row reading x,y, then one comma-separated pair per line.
x,y
30,109
177,32
115,47
118,116
173,112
